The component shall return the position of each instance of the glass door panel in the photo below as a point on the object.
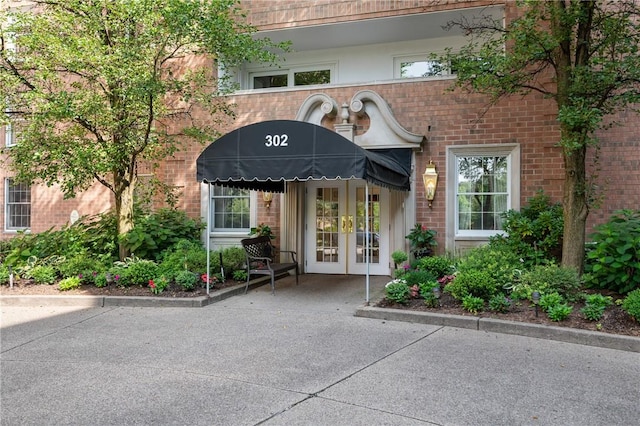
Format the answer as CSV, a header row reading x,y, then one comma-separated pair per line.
x,y
327,218
374,225
326,232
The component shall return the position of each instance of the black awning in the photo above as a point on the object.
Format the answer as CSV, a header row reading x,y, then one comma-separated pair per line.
x,y
264,155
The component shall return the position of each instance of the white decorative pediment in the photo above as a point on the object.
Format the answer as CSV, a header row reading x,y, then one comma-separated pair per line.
x,y
315,107
384,130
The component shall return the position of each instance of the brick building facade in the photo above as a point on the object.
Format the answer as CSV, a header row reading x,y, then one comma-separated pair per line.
x,y
363,46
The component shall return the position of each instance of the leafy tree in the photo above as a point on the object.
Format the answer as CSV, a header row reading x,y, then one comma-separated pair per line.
x,y
100,87
582,54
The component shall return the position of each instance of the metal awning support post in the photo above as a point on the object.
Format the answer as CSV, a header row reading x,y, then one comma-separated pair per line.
x,y
208,236
367,237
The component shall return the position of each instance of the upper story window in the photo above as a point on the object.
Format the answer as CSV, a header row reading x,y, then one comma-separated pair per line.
x,y
420,66
230,209
290,78
12,133
17,205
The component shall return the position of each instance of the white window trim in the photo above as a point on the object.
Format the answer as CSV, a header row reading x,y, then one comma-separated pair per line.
x,y
512,152
290,71
9,136
7,229
243,232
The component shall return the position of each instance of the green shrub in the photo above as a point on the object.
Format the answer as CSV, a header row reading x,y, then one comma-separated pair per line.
x,y
78,265
397,291
549,300
475,283
426,292
534,233
139,272
631,304
158,231
100,280
69,283
500,263
595,305
559,312
592,312
499,303
472,304
233,259
42,274
399,257
613,258
186,280
187,255
598,300
548,279
4,274
158,285
417,277
438,266
426,288
117,275
240,275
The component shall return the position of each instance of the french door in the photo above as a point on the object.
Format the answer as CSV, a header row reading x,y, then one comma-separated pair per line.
x,y
336,237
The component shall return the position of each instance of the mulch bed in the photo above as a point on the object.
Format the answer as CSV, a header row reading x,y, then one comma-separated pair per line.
x,y
29,288
614,320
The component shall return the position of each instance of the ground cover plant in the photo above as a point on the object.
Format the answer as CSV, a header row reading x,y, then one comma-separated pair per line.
x,y
501,278
613,260
84,256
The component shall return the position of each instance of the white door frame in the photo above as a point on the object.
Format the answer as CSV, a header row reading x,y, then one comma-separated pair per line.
x,y
340,235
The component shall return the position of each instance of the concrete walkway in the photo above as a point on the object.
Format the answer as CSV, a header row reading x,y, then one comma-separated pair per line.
x,y
300,357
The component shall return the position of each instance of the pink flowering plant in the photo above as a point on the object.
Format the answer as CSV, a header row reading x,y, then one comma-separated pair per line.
x,y
158,285
213,280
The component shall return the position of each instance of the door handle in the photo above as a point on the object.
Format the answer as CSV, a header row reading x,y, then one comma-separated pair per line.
x,y
346,224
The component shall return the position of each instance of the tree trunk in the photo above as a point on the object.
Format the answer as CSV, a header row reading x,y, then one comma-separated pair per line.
x,y
124,215
576,209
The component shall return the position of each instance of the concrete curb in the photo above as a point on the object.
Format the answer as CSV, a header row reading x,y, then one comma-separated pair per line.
x,y
130,301
561,334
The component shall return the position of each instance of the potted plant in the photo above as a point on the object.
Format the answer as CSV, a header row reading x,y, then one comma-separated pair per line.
x,y
399,257
422,241
262,230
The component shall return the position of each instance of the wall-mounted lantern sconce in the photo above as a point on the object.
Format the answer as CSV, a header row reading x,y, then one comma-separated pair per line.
x,y
430,179
267,197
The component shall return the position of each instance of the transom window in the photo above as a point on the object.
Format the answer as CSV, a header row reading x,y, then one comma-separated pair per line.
x,y
290,78
17,205
230,209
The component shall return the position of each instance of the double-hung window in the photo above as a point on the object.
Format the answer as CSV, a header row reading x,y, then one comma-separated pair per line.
x,y
17,205
230,209
483,182
12,133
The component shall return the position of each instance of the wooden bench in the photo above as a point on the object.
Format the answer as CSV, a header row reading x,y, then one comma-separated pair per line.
x,y
262,259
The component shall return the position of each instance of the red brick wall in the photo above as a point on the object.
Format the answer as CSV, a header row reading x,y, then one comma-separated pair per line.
x,y
445,118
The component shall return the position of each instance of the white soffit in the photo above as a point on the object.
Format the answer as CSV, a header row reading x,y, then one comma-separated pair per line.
x,y
378,30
